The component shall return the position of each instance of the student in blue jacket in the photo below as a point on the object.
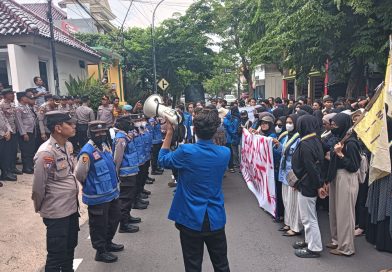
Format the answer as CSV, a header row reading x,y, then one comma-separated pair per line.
x,y
198,205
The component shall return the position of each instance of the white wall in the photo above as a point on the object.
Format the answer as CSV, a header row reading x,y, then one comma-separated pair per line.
x,y
24,67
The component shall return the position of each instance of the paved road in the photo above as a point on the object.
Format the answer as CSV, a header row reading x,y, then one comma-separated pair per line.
x,y
254,244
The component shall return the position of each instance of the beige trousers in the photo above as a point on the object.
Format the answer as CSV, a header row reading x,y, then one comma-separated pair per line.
x,y
343,192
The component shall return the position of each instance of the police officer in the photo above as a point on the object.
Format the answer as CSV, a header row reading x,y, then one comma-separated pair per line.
x,y
48,106
156,145
63,106
126,160
95,169
139,139
105,112
84,114
8,107
5,136
55,192
25,122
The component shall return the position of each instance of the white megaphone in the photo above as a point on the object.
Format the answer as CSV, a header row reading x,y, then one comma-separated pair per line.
x,y
154,107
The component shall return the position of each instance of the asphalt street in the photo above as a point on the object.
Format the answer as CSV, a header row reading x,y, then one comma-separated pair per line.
x,y
254,244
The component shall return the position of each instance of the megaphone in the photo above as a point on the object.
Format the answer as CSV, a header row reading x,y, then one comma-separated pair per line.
x,y
154,107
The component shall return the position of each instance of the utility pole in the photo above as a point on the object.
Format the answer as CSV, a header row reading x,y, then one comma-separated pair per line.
x,y
52,45
154,61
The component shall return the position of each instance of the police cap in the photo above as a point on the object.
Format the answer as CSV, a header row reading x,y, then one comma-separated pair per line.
x,y
19,95
7,91
58,117
95,126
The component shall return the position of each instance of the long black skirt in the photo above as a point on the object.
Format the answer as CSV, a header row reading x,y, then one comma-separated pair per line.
x,y
379,234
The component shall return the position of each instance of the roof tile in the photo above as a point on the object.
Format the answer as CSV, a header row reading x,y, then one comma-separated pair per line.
x,y
17,20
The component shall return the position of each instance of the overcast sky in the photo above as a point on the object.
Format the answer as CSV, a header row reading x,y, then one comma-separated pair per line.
x,y
141,11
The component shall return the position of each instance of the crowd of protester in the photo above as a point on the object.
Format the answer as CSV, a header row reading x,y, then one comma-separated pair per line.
x,y
318,163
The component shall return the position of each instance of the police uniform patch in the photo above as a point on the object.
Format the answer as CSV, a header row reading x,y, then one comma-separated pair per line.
x,y
96,155
48,161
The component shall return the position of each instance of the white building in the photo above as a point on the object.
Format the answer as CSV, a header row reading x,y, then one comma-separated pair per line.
x,y
267,80
25,50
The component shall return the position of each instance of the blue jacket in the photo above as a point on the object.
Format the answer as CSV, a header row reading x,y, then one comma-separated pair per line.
x,y
231,124
285,162
101,185
199,190
147,139
156,134
140,149
188,124
130,163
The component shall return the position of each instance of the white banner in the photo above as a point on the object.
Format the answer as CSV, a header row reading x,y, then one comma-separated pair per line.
x,y
250,111
257,168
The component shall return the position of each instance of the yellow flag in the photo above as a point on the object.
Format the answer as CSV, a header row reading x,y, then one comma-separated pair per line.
x,y
372,130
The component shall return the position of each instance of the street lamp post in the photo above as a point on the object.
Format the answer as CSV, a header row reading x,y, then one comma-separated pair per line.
x,y
154,61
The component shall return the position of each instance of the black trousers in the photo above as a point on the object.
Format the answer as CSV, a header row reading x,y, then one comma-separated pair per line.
x,y
3,164
10,151
154,156
192,244
231,161
81,134
279,198
27,150
361,212
142,176
128,192
61,240
103,222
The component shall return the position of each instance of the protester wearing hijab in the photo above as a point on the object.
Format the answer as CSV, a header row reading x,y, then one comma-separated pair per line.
x,y
307,108
319,115
292,221
306,164
343,186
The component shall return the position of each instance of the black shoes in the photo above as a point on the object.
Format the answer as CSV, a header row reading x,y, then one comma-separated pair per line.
x,y
9,177
17,171
300,244
156,172
112,247
105,257
147,192
144,202
149,182
134,220
306,253
28,171
128,228
150,179
140,206
143,196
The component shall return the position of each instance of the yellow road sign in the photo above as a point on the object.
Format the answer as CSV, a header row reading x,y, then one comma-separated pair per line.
x,y
163,84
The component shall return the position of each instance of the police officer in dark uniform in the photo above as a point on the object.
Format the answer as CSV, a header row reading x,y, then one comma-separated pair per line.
x,y
96,171
55,192
25,122
126,160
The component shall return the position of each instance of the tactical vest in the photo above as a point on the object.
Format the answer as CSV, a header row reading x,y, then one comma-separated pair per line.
x,y
130,163
140,149
101,185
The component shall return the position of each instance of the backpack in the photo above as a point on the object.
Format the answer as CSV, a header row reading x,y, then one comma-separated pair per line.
x,y
363,168
179,134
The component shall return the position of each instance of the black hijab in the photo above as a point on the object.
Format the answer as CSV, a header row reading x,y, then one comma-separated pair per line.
x,y
343,122
307,124
319,115
307,108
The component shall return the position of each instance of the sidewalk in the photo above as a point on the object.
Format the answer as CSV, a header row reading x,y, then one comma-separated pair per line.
x,y
22,235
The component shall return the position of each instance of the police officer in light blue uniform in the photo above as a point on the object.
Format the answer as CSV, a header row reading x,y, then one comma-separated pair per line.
x,y
140,142
127,167
156,145
96,171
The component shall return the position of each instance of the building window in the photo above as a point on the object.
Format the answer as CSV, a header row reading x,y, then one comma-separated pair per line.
x,y
3,73
43,72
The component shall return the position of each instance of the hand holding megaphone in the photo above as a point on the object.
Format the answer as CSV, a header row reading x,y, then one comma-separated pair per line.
x,y
154,107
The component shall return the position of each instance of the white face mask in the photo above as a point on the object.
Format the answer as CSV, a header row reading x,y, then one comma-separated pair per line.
x,y
278,129
289,127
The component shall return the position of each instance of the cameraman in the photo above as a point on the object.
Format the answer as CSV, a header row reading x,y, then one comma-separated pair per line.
x,y
198,204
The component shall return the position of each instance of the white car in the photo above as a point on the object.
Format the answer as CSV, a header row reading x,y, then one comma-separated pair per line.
x,y
229,98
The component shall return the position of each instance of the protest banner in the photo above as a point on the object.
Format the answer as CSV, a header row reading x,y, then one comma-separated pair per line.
x,y
257,168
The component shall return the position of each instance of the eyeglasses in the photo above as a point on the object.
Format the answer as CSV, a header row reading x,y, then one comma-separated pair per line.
x,y
279,125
